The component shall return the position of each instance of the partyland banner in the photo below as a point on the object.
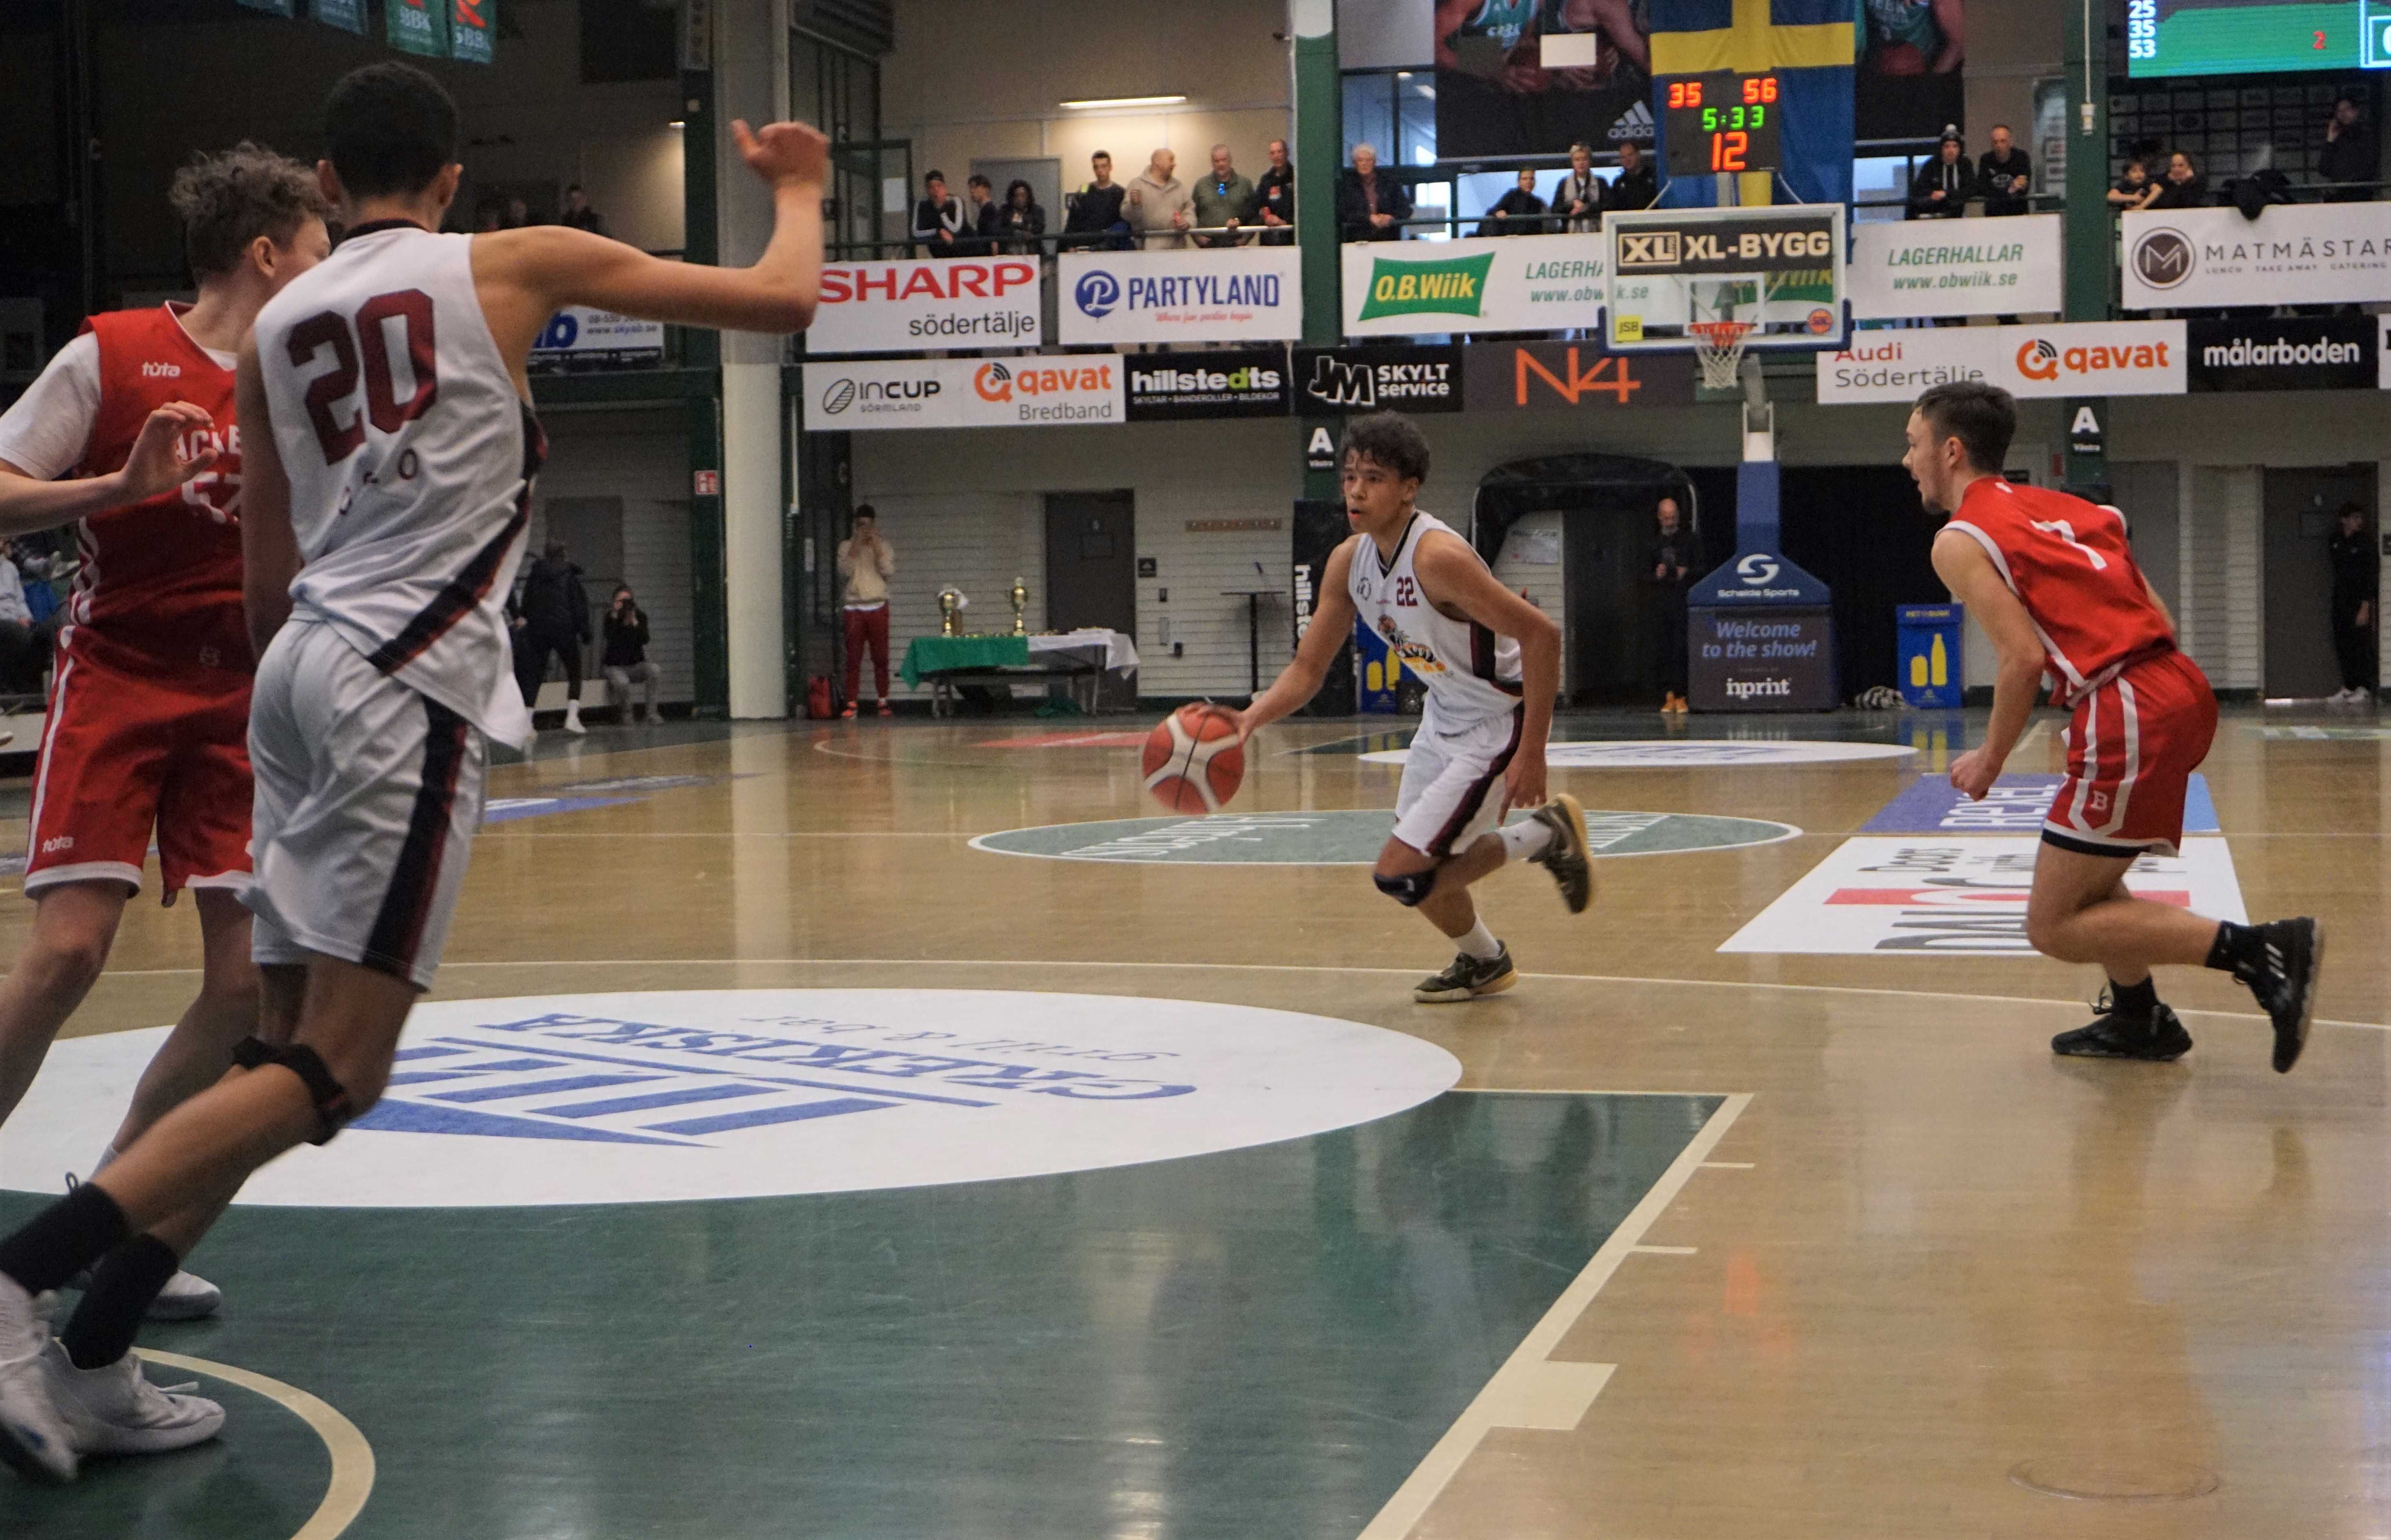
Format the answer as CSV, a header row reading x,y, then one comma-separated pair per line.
x,y
1506,283
2319,253
1903,269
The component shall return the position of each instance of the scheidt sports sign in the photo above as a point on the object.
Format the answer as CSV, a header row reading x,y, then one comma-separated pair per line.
x,y
907,306
2315,252
1514,283
1245,293
962,392
2075,358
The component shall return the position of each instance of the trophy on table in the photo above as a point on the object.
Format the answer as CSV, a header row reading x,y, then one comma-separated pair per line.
x,y
1020,606
952,605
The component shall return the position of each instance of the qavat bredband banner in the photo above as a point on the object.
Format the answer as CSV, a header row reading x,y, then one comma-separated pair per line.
x,y
1240,294
909,306
2069,359
962,392
2312,253
1955,267
1510,283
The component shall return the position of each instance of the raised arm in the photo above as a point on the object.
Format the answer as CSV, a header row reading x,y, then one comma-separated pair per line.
x,y
1970,576
1330,632
269,552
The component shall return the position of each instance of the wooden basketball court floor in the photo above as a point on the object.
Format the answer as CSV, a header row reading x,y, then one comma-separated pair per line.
x,y
1702,1244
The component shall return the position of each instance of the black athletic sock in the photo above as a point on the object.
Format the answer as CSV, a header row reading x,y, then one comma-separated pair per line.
x,y
102,1327
2239,950
64,1240
2136,1002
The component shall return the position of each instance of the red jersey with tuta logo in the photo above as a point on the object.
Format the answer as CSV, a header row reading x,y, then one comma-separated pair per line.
x,y
2068,562
160,580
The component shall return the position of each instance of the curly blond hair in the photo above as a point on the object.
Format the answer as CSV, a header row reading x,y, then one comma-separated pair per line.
x,y
229,199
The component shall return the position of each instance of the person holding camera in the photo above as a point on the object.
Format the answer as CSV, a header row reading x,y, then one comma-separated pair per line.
x,y
624,662
867,563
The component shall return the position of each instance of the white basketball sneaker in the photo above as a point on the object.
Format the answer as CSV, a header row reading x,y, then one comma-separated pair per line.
x,y
187,1297
33,1439
115,1410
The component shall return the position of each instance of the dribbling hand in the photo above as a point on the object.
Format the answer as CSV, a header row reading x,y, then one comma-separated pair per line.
x,y
1972,774
1523,784
784,151
157,464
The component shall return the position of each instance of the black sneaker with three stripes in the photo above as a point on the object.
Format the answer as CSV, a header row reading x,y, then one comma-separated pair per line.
x,y
2160,1038
2282,974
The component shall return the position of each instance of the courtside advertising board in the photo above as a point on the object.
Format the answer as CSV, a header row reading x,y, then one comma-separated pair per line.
x,y
962,392
1238,294
2064,359
1510,283
946,303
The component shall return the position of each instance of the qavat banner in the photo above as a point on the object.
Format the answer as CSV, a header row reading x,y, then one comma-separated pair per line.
x,y
1508,283
909,306
2072,359
2313,252
1904,268
1245,293
962,392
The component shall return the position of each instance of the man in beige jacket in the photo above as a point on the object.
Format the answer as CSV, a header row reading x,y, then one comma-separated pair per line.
x,y
867,563
1160,206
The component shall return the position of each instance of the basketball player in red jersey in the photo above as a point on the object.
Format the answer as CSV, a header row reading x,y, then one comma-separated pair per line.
x,y
2053,582
129,434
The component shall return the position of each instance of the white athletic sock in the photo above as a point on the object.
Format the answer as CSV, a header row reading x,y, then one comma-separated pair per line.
x,y
1480,943
1525,838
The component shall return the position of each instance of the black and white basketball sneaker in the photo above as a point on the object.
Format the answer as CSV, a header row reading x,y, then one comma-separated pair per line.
x,y
1467,978
1566,857
2160,1039
2284,982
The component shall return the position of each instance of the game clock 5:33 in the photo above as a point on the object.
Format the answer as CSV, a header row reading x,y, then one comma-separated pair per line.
x,y
1721,122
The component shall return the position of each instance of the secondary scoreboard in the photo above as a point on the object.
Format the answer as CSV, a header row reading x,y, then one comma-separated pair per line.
x,y
1721,122
2197,37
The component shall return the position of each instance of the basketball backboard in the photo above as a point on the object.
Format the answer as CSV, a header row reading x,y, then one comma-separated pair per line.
x,y
1777,269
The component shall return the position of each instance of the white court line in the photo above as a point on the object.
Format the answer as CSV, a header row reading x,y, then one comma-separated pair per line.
x,y
1665,1250
1726,1165
1530,1390
353,1459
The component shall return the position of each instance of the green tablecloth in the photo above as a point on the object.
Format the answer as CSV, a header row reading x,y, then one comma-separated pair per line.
x,y
931,655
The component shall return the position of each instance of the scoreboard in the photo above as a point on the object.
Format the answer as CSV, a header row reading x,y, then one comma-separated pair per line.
x,y
2182,37
1720,122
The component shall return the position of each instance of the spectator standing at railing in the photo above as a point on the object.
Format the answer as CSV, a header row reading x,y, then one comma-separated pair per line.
x,y
579,214
1020,220
1223,201
2184,186
1274,197
1944,185
1371,205
1577,201
979,217
1636,185
1094,216
1517,212
939,220
1160,208
2350,153
2004,175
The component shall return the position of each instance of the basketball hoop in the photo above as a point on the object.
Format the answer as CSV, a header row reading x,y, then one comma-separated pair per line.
x,y
1718,346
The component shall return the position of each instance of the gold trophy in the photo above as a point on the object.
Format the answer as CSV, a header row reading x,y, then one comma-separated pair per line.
x,y
1020,606
952,604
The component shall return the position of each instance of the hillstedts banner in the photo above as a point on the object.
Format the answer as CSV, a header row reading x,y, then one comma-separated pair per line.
x,y
1955,267
1511,283
418,26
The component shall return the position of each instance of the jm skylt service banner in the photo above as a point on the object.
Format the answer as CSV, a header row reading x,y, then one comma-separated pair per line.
x,y
942,302
1233,295
1906,268
1507,283
870,393
2077,359
2315,254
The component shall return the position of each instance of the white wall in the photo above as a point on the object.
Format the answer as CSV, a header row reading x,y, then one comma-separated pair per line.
x,y
642,457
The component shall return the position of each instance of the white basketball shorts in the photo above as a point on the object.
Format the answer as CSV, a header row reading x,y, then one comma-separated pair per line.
x,y
1453,782
368,796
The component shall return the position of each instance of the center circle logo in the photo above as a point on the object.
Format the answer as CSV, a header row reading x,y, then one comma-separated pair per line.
x,y
840,396
2164,258
1343,836
1097,294
678,1096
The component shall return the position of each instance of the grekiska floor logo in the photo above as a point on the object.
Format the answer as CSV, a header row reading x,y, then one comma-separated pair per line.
x,y
651,1097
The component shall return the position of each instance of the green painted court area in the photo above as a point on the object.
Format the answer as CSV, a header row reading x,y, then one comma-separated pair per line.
x,y
1235,1347
1344,837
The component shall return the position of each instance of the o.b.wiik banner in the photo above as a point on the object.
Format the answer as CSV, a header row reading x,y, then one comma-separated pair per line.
x,y
2071,358
1905,268
1243,294
939,302
2313,252
1506,283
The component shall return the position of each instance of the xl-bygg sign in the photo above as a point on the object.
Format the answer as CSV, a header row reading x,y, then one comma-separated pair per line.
x,y
2077,359
908,307
1247,293
2314,252
962,392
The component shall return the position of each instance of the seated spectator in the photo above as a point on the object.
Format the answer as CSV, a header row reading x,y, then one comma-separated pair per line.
x,y
1223,201
1944,185
624,662
1020,221
519,214
1371,204
1274,197
1517,212
979,217
1092,217
2005,176
579,214
2135,190
1160,208
1637,183
938,218
2350,154
1577,200
2184,186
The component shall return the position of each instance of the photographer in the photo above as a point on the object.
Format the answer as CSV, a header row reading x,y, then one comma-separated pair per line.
x,y
867,563
624,662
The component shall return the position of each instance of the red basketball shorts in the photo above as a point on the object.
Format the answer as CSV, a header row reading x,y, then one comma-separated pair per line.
x,y
126,753
2131,750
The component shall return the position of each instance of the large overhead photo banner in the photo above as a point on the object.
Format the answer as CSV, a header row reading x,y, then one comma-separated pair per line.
x,y
1907,268
1502,283
935,303
2317,254
1232,294
2072,359
1530,77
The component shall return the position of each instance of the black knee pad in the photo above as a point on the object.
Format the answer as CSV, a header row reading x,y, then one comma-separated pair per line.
x,y
1410,890
333,1109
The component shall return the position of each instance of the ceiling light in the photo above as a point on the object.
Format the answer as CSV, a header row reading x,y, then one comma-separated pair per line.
x,y
1124,101
676,123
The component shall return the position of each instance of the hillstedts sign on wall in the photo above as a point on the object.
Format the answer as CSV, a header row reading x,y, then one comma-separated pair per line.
x,y
1955,267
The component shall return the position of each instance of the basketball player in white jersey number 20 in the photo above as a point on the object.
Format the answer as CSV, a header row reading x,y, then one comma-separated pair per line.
x,y
1492,664
389,448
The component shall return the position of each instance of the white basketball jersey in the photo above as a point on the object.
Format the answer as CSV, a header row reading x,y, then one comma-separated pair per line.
x,y
1469,672
410,458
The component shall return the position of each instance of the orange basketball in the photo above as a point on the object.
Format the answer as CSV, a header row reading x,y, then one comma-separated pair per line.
x,y
1192,761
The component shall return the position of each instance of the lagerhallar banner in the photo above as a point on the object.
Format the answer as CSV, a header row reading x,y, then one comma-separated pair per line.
x,y
1498,283
1903,269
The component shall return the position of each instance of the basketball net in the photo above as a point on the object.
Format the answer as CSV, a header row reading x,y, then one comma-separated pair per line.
x,y
1718,347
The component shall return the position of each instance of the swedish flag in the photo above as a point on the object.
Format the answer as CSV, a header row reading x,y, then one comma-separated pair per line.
x,y
1811,45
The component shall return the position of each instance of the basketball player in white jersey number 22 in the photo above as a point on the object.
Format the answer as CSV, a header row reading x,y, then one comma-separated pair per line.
x,y
390,447
1492,664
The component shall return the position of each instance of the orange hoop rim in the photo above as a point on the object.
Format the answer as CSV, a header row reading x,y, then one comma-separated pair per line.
x,y
1720,333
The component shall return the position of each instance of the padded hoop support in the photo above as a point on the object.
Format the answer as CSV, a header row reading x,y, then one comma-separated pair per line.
x,y
331,1099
